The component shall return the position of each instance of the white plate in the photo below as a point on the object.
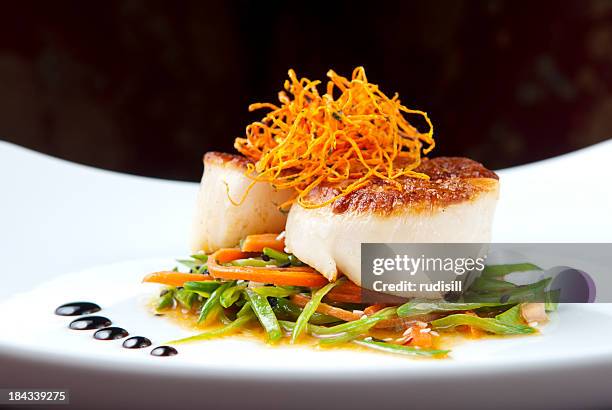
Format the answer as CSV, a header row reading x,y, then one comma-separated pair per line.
x,y
110,229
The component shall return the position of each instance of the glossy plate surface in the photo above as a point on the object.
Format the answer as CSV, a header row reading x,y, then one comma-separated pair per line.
x,y
110,229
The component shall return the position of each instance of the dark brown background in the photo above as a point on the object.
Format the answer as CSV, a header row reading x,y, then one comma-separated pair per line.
x,y
147,86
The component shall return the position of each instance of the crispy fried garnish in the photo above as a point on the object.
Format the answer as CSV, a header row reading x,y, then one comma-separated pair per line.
x,y
311,139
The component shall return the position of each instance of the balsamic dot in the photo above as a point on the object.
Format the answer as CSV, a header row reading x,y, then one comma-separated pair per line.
x,y
136,342
77,309
111,333
90,322
164,351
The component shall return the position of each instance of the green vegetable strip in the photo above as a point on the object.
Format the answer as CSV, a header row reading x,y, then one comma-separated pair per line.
x,y
166,300
281,257
359,325
265,314
486,324
511,316
343,338
533,292
487,284
295,261
503,270
552,300
201,257
245,309
416,308
322,319
312,329
203,288
286,309
197,263
399,349
213,301
191,264
312,305
288,326
185,298
275,291
229,328
254,262
231,295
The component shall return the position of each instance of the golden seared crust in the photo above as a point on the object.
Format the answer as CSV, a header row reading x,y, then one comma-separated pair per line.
x,y
454,167
224,159
451,180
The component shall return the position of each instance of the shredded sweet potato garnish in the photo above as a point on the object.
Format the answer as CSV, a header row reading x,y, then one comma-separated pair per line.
x,y
311,139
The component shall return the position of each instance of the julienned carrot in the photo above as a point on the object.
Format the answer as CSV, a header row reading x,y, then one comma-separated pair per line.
x,y
293,276
420,337
370,310
326,309
348,292
256,243
227,255
172,278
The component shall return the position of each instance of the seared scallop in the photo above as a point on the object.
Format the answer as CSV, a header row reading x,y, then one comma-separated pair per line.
x,y
456,204
218,223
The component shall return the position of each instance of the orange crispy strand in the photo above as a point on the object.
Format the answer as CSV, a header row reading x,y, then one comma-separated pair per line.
x,y
348,136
